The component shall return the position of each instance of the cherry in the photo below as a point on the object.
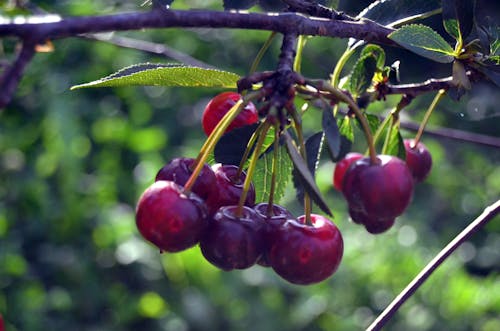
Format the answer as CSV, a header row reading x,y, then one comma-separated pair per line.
x,y
180,169
379,190
232,241
341,168
220,105
372,225
418,159
170,219
306,254
228,188
279,215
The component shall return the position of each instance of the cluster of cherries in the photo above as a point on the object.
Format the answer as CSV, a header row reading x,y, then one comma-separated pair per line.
x,y
232,235
378,192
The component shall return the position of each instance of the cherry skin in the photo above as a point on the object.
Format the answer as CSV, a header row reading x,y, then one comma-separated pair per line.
x,y
306,254
232,241
220,105
180,169
372,225
228,188
341,168
170,219
279,215
418,159
382,190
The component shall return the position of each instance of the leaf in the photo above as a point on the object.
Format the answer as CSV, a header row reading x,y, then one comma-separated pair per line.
x,y
390,12
156,74
232,145
345,128
314,145
362,75
263,174
395,145
303,175
377,52
238,4
332,133
373,122
423,41
458,17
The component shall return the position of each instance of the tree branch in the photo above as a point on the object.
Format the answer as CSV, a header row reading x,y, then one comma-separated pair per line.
x,y
13,73
293,23
487,215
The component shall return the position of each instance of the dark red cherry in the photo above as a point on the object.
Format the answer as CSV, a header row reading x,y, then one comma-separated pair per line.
x,y
418,159
306,254
180,169
380,190
220,105
232,241
372,225
341,168
279,215
170,219
228,188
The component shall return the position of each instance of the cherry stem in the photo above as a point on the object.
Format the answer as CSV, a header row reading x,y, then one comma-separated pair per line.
x,y
251,167
276,145
297,125
261,52
212,140
248,149
487,215
427,116
338,94
394,123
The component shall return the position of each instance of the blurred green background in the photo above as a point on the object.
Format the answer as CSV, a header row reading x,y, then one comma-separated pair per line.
x,y
73,163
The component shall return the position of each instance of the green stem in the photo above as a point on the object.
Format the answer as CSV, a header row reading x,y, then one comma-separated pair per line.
x,y
297,125
261,53
298,58
335,77
274,170
251,167
427,116
339,95
248,149
212,140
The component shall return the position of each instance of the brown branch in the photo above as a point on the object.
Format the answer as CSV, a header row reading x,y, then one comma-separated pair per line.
x,y
150,47
284,22
13,73
487,215
317,10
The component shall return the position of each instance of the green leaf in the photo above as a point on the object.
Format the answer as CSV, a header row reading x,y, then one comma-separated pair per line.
x,y
458,17
377,52
395,145
332,133
263,174
345,127
423,41
362,75
390,12
304,175
156,74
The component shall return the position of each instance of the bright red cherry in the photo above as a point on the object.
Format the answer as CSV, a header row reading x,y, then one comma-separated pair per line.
x,y
379,190
341,168
232,241
228,188
306,254
220,105
279,215
418,159
170,219
180,169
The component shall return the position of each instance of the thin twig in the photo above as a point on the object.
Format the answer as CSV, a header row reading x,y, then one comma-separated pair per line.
x,y
487,215
13,74
150,47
